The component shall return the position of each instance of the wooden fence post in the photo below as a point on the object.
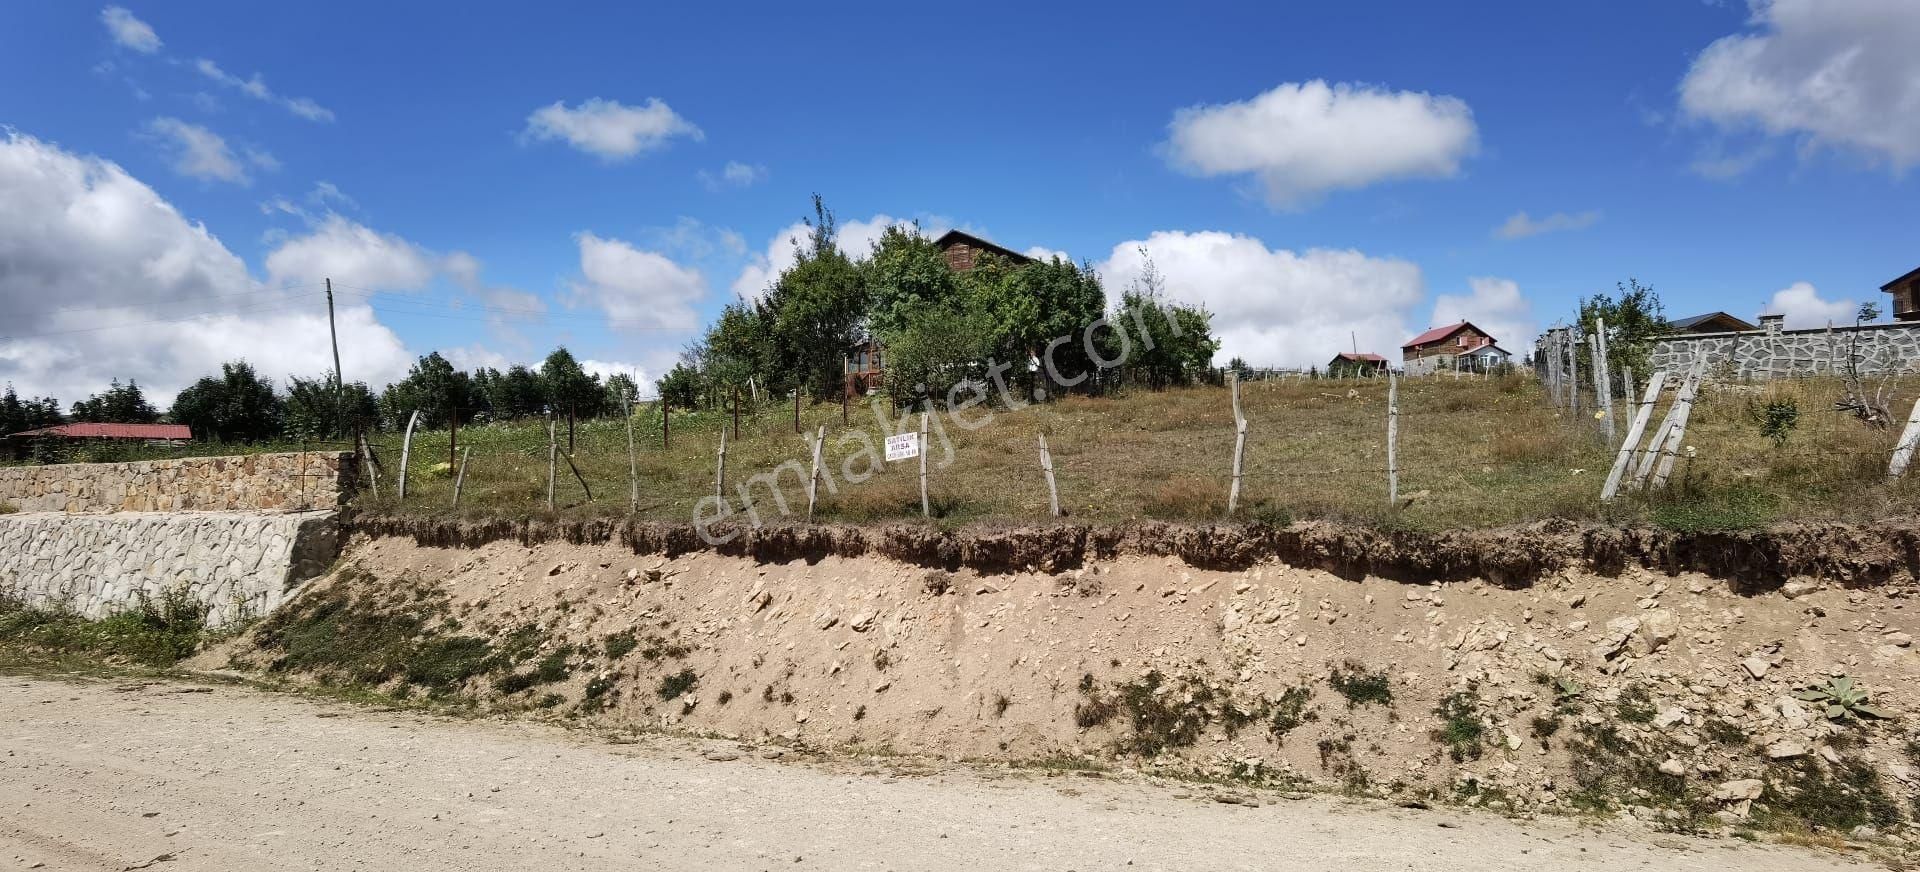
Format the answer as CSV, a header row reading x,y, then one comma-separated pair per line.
x,y
1393,439
553,456
926,508
366,460
1573,372
736,413
796,406
1635,430
633,467
720,470
1675,431
666,424
1239,445
1046,466
1629,391
813,472
460,478
406,449
1903,449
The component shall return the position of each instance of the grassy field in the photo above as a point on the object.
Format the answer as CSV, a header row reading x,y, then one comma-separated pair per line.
x,y
1472,453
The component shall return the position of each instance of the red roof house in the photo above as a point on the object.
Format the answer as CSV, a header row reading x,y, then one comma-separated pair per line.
x,y
1455,346
169,432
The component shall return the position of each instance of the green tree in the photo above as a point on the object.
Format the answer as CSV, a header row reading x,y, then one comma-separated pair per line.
x,y
570,390
1635,320
815,310
622,393
737,347
440,393
118,404
1170,343
905,274
313,410
239,406
938,346
680,386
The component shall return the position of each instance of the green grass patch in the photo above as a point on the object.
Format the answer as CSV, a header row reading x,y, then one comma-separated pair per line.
x,y
1361,686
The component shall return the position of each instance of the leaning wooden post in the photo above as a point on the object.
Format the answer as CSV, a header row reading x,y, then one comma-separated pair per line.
x,y
1677,434
1627,391
406,449
460,478
553,458
1651,456
1239,445
813,472
720,470
1637,428
1393,439
926,508
1903,449
633,466
1046,466
366,460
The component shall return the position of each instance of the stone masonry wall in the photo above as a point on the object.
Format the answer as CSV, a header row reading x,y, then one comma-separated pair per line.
x,y
1775,353
294,481
240,564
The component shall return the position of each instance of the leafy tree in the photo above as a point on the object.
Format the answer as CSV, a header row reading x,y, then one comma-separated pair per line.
x,y
680,386
938,346
1635,320
17,415
622,393
905,274
440,393
312,409
815,310
239,406
118,404
1067,298
514,394
570,390
737,347
1171,343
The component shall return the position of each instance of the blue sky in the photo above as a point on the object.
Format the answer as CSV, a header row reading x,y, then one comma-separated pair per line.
x,y
1311,172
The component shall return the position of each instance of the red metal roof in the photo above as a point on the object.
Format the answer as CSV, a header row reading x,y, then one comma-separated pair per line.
x,y
114,431
1439,334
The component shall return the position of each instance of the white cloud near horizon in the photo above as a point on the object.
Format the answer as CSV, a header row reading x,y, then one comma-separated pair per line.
x,y
1304,140
105,279
128,31
1496,306
637,289
1804,308
1276,307
608,129
1836,74
256,87
353,256
1520,225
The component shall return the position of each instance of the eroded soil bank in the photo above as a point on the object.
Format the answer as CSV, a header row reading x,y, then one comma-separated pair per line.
x,y
1852,554
1670,696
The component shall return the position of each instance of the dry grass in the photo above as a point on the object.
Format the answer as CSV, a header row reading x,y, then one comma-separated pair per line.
x,y
1473,453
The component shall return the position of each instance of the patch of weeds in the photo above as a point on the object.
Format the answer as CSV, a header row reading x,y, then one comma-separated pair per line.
x,y
1544,726
1163,714
1290,712
445,663
620,644
1061,763
882,660
860,714
1337,760
550,669
154,631
1608,765
547,701
726,696
598,686
1635,705
1361,687
661,648
1721,731
1804,793
1000,704
1461,729
678,683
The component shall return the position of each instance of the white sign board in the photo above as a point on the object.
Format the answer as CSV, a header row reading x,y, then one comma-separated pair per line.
x,y
903,446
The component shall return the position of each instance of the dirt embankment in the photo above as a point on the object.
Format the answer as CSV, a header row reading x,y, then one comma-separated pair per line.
x,y
1673,696
1851,554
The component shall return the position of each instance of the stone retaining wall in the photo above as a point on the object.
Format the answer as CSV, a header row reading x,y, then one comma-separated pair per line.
x,y
294,481
240,564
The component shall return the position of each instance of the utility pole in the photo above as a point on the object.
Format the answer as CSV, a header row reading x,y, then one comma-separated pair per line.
x,y
339,381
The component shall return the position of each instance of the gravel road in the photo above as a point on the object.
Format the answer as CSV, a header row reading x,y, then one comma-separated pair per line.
x,y
116,776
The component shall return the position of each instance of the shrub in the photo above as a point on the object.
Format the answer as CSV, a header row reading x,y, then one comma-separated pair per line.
x,y
1359,686
678,683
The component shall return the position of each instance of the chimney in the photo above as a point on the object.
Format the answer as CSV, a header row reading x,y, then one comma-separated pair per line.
x,y
1772,323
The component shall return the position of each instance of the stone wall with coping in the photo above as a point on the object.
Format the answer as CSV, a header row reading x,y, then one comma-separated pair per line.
x,y
238,564
1775,353
292,481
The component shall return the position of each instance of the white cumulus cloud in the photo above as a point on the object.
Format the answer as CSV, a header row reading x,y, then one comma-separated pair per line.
x,y
609,129
734,175
1520,225
1834,73
104,279
1276,307
1494,305
1805,308
854,238
637,288
354,256
128,31
1302,140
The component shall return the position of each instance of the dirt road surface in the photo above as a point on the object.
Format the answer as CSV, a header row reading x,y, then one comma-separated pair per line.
x,y
116,776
